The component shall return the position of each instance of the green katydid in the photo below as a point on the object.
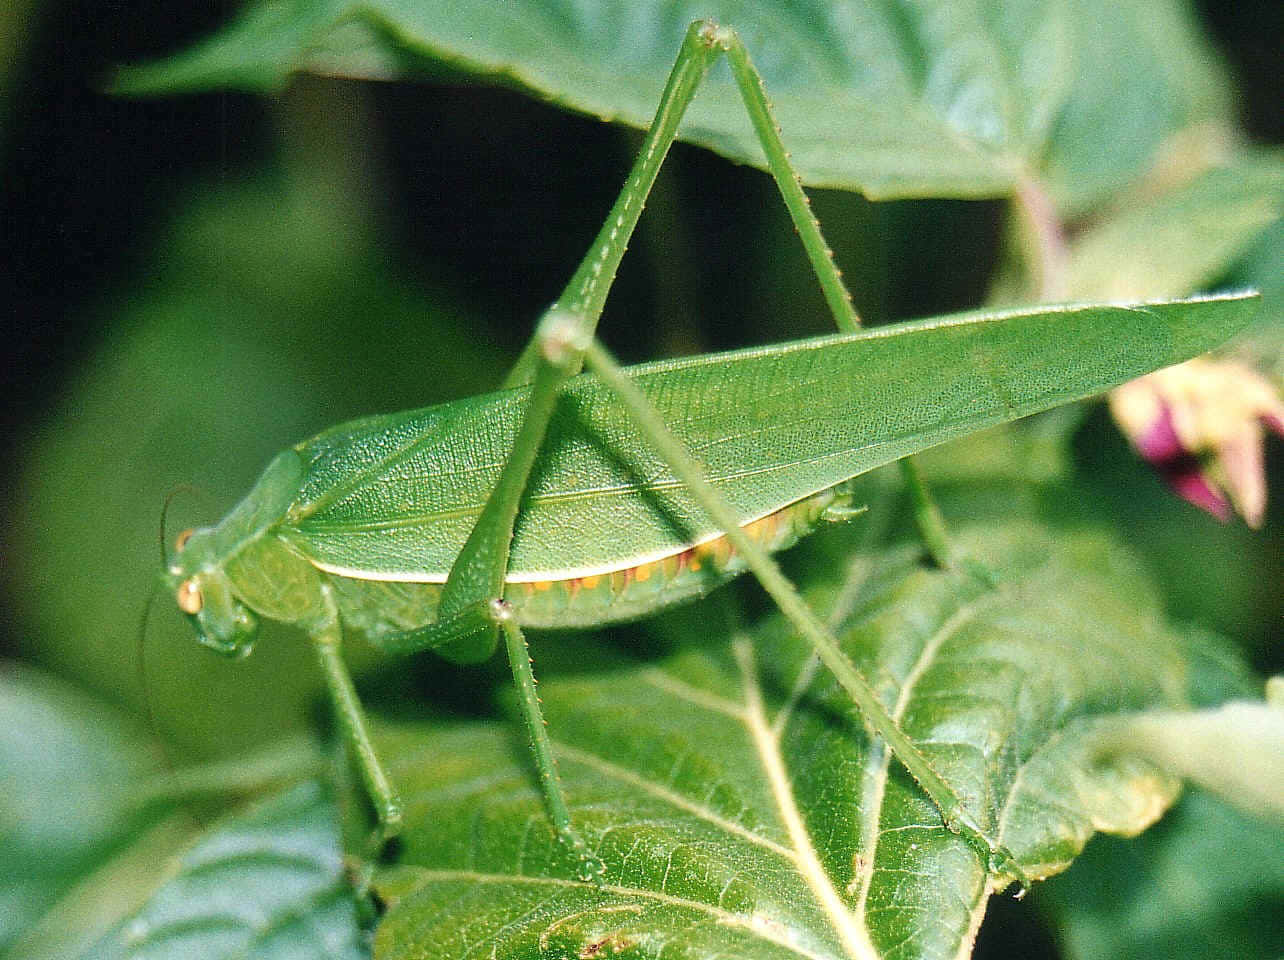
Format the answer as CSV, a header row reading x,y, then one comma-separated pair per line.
x,y
574,500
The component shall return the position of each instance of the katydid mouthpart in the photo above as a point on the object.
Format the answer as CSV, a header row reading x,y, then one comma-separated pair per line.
x,y
574,499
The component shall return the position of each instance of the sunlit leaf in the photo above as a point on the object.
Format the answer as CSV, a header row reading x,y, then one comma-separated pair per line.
x,y
737,799
924,100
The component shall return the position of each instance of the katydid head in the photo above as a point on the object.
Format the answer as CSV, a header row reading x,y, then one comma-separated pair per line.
x,y
204,593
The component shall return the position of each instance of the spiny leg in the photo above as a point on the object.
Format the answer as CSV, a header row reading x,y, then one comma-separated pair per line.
x,y
476,582
927,517
326,640
957,819
585,294
477,576
591,868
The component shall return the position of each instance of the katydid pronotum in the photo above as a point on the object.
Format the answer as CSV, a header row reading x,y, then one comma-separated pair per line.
x,y
543,504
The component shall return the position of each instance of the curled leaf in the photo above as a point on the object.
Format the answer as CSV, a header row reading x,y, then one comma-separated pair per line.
x,y
1235,751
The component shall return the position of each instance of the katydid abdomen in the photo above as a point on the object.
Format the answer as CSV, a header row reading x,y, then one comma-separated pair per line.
x,y
629,591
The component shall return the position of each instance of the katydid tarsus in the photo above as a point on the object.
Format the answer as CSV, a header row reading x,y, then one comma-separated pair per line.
x,y
543,504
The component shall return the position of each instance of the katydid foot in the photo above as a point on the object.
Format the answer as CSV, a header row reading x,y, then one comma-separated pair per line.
x,y
998,859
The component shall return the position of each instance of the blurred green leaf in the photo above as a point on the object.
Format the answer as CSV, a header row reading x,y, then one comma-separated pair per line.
x,y
1207,881
267,882
71,766
736,797
937,99
1179,241
1233,747
1263,342
239,338
1143,76
1218,672
1193,745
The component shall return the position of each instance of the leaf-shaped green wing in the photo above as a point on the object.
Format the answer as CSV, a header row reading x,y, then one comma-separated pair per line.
x,y
395,497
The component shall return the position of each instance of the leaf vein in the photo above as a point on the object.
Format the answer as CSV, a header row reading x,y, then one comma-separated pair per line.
x,y
852,936
721,916
673,798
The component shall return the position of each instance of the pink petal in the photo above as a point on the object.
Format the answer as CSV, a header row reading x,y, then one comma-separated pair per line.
x,y
1242,461
1191,485
1159,441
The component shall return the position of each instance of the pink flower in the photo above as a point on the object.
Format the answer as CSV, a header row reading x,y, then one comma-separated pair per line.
x,y
1201,423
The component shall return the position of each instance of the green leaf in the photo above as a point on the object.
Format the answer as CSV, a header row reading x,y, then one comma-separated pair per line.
x,y
1179,241
1263,343
1233,748
266,882
1207,881
937,99
71,765
735,796
1144,77
95,867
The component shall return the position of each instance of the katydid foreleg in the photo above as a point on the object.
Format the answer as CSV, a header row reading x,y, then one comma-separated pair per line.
x,y
326,640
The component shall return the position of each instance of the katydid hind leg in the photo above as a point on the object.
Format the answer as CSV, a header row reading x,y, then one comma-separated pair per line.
x,y
927,515
591,868
685,467
565,337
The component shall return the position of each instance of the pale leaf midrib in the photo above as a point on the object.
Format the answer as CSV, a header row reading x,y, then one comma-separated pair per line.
x,y
701,698
724,917
882,757
850,933
606,768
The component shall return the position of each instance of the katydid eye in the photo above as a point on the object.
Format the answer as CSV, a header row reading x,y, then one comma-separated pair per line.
x,y
181,541
189,597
